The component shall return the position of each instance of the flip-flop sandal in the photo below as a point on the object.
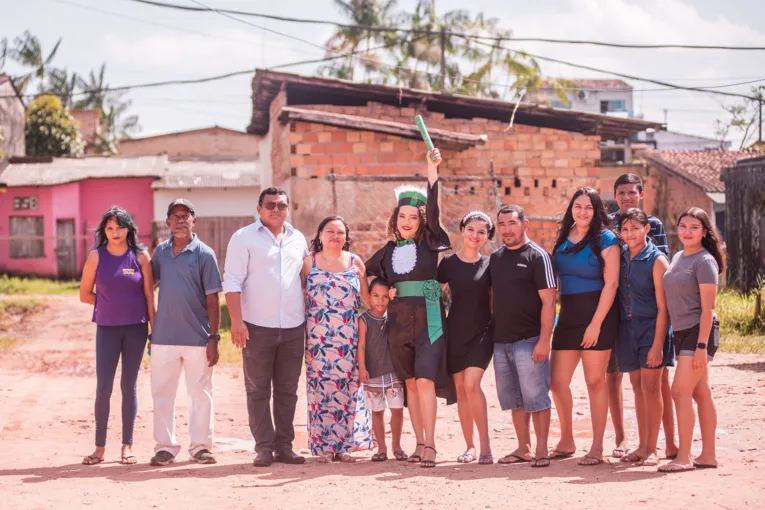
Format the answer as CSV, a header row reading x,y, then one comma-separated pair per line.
x,y
704,466
429,463
632,457
557,454
486,459
91,458
583,461
126,460
400,455
618,453
414,457
380,457
466,458
518,459
541,462
650,461
670,468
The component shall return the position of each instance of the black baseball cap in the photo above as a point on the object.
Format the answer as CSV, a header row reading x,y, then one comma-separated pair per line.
x,y
181,201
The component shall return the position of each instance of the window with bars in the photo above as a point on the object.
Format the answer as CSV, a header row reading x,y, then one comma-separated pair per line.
x,y
27,228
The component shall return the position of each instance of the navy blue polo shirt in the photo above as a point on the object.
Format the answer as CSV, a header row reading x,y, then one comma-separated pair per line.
x,y
185,282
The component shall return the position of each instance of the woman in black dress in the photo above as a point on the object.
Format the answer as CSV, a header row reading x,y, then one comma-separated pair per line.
x,y
416,337
469,346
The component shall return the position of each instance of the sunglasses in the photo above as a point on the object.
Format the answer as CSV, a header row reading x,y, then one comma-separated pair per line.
x,y
274,205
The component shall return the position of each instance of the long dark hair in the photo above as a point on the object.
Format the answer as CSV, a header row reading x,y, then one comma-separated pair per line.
x,y
598,224
124,220
316,245
712,240
395,235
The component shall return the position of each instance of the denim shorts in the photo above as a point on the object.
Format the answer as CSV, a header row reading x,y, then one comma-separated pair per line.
x,y
635,341
522,383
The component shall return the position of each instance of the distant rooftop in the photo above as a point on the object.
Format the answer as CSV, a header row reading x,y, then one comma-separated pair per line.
x,y
700,168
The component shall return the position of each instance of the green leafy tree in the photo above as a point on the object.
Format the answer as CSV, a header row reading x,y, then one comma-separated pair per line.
x,y
51,130
28,52
64,86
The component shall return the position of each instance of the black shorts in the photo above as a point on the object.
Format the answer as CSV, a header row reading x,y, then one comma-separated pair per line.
x,y
686,340
576,312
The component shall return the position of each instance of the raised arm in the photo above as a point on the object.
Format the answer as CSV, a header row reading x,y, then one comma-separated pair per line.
x,y
438,239
88,280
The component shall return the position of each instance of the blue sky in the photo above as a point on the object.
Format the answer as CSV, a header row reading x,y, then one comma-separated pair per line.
x,y
142,44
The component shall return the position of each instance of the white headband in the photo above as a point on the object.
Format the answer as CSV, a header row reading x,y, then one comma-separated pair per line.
x,y
480,215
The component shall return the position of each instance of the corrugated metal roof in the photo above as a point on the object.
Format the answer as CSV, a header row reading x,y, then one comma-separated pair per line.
x,y
195,174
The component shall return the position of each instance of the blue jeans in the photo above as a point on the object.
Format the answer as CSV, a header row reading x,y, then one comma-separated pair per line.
x,y
111,342
522,383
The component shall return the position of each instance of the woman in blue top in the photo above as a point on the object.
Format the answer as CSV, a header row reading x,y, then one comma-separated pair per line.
x,y
586,258
645,343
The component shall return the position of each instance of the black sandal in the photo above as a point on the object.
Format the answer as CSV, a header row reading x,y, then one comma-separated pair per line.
x,y
415,458
429,463
380,457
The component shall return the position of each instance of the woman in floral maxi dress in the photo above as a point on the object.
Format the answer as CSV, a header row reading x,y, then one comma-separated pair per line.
x,y
338,422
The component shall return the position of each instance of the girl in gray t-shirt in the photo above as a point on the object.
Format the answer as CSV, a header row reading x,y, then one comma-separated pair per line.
x,y
690,285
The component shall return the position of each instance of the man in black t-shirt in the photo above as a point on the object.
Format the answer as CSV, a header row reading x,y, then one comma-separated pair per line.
x,y
524,287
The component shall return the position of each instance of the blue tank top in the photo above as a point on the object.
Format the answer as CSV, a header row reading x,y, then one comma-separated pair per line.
x,y
120,300
581,272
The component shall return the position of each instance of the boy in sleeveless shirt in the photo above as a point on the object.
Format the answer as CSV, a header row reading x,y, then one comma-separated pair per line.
x,y
376,371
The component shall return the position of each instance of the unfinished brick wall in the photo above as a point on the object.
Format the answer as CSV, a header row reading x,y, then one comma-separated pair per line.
x,y
536,168
671,196
203,142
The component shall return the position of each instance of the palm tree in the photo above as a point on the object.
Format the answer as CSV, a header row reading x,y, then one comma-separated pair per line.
x,y
349,39
63,85
3,51
28,52
95,89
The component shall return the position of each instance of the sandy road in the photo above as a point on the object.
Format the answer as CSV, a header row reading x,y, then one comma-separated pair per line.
x,y
47,386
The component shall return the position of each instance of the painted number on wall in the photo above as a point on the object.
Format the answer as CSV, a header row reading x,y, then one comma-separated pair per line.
x,y
24,203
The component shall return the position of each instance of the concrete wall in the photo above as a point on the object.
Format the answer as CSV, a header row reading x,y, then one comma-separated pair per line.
x,y
232,202
212,141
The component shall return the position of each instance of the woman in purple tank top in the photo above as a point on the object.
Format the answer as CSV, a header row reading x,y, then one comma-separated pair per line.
x,y
119,269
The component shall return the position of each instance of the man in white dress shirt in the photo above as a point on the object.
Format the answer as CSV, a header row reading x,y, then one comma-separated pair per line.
x,y
265,299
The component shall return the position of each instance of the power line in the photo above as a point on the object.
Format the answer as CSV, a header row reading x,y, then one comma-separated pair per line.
x,y
377,29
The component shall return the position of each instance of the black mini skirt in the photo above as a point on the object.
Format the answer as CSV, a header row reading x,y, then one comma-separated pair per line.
x,y
576,312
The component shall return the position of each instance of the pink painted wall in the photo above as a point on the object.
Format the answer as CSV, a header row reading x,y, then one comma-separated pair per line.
x,y
84,202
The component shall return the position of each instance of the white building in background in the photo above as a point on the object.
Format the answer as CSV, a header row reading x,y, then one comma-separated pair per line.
x,y
609,97
672,140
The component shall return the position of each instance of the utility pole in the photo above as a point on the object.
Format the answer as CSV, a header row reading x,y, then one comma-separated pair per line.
x,y
760,136
443,64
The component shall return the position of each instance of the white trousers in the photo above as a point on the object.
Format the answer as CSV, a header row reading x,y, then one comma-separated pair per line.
x,y
167,361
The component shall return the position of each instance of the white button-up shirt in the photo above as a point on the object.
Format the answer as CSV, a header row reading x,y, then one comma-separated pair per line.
x,y
267,273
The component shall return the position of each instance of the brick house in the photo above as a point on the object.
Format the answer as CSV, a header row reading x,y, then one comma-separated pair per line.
x,y
12,120
209,141
341,147
90,128
678,179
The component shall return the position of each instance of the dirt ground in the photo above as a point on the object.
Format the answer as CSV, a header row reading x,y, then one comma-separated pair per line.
x,y
47,387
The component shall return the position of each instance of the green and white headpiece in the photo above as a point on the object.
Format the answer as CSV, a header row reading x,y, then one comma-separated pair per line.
x,y
411,195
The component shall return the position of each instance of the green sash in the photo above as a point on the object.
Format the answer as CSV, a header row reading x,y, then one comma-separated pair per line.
x,y
431,291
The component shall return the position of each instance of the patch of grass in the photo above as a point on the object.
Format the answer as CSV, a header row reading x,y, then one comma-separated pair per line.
x,y
740,331
17,285
229,353
23,306
7,343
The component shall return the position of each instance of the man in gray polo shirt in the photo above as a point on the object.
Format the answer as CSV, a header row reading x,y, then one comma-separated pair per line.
x,y
185,336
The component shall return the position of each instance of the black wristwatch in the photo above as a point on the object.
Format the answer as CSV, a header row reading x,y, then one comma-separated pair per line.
x,y
701,345
215,337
